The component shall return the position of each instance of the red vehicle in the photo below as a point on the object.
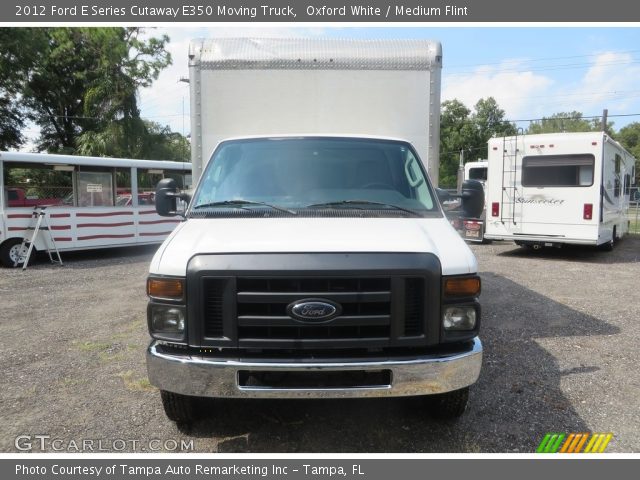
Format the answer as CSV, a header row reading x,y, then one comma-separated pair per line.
x,y
17,198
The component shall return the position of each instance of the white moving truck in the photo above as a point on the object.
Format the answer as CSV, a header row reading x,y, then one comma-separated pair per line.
x,y
313,260
561,188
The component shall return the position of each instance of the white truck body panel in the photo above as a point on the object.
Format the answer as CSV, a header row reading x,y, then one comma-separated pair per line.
x,y
237,235
243,87
547,212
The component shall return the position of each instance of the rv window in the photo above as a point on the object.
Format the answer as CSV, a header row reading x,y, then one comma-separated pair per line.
x,y
95,188
478,173
627,184
30,184
558,171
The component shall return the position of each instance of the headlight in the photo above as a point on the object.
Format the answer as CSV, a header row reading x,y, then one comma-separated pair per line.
x,y
167,319
459,318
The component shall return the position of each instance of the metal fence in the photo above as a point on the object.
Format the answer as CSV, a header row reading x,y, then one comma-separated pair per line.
x,y
634,218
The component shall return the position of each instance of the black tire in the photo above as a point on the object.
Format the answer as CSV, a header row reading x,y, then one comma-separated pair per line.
x,y
608,246
8,252
181,409
450,405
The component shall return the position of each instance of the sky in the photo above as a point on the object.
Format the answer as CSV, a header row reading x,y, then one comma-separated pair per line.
x,y
531,71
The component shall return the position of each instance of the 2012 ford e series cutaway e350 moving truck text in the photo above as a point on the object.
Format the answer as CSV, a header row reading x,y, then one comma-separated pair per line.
x,y
313,259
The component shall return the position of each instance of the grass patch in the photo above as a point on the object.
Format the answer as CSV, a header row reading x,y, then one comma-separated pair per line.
x,y
70,382
135,384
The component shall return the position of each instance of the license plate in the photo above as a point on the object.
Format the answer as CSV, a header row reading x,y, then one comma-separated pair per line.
x,y
472,233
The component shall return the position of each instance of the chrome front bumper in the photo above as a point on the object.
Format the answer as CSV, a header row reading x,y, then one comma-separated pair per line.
x,y
213,377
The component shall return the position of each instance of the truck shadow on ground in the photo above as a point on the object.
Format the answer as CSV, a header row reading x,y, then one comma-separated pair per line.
x,y
626,250
516,401
84,259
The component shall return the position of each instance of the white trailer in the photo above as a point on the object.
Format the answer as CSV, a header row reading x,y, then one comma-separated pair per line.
x,y
91,202
245,86
476,171
561,188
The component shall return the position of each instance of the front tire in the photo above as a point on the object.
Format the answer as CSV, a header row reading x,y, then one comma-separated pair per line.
x,y
449,405
181,409
10,252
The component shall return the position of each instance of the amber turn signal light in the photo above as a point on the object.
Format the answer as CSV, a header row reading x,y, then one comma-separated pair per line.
x,y
169,288
462,287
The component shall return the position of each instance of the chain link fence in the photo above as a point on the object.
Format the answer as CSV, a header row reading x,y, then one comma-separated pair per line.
x,y
634,218
18,193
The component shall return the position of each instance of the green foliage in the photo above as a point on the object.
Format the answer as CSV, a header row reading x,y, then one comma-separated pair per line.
x,y
86,78
629,137
567,122
80,85
462,129
139,139
18,49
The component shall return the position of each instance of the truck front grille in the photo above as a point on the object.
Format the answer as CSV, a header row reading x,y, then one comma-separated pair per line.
x,y
262,308
375,311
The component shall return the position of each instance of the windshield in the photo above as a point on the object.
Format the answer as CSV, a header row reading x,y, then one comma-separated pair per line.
x,y
303,175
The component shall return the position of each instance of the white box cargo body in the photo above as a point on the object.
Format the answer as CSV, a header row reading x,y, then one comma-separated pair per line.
x,y
315,86
562,188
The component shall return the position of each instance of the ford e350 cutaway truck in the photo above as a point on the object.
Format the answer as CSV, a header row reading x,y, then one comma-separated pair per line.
x,y
313,259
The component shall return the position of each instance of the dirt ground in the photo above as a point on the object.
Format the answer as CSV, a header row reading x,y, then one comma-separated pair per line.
x,y
560,330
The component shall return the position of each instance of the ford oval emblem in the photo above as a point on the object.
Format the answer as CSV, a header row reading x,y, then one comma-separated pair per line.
x,y
313,310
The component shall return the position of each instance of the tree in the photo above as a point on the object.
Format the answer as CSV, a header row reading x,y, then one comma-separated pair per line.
x,y
490,122
460,129
567,122
629,137
85,79
18,49
456,133
142,139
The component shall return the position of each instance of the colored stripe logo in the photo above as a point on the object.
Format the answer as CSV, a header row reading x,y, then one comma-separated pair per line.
x,y
574,443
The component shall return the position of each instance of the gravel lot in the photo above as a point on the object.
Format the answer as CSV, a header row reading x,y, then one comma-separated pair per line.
x,y
560,329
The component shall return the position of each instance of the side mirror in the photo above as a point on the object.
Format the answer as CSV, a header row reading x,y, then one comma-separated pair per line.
x,y
167,196
472,198
443,195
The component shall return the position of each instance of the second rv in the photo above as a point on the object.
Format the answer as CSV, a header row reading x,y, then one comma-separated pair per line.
x,y
561,188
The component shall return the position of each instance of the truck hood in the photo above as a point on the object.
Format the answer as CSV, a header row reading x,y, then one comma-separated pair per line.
x,y
292,235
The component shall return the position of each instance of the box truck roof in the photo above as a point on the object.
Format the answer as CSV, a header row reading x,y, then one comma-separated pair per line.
x,y
316,53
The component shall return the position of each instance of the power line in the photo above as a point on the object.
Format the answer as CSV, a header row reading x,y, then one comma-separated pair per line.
x,y
543,59
568,66
583,117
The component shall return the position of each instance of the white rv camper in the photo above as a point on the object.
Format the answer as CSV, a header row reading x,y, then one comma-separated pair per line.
x,y
561,188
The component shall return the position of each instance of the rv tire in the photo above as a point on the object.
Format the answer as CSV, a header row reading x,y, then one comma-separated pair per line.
x,y
608,246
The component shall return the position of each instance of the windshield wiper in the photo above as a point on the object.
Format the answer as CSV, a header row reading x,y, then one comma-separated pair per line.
x,y
361,202
239,203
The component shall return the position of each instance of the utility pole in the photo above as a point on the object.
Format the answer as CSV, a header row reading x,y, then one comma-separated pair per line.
x,y
461,171
605,114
